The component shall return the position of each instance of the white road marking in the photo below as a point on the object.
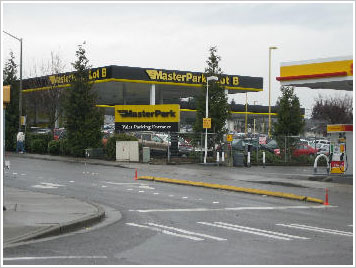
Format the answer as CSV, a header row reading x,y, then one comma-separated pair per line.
x,y
166,232
53,257
72,181
122,183
245,231
141,191
184,197
316,229
14,173
155,193
171,195
187,232
216,202
225,209
23,174
47,185
146,187
103,186
350,225
263,231
129,189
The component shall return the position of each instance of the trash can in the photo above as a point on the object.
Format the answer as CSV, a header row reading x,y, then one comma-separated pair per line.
x,y
238,159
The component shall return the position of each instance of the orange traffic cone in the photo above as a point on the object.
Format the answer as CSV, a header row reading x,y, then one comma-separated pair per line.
x,y
326,202
135,174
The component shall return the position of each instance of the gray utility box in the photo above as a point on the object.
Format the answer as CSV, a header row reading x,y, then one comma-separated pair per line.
x,y
238,159
146,154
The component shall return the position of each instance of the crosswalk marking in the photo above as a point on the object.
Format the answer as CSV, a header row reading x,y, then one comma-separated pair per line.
x,y
263,231
245,231
187,232
316,229
166,232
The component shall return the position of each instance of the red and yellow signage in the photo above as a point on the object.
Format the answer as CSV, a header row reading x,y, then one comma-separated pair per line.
x,y
337,167
339,128
315,69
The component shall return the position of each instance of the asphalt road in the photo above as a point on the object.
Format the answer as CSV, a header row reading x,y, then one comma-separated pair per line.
x,y
166,224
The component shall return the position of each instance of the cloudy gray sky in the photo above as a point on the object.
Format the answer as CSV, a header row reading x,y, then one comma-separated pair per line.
x,y
178,36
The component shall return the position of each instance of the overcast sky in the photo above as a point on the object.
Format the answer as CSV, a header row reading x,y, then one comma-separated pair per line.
x,y
178,36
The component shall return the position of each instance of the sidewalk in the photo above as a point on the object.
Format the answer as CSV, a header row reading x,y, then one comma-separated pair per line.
x,y
33,215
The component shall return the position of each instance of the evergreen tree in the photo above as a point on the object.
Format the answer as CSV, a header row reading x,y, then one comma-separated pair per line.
x,y
218,107
83,118
12,109
290,121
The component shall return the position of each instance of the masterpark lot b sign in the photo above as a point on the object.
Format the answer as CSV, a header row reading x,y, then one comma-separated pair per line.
x,y
160,118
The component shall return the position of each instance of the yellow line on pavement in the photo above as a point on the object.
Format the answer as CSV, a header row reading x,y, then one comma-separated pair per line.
x,y
233,188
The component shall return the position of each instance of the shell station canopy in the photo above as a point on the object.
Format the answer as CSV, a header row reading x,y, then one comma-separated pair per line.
x,y
327,73
116,85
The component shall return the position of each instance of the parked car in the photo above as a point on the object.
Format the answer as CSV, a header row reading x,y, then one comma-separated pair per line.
x,y
323,148
151,140
272,147
59,133
39,130
184,145
304,149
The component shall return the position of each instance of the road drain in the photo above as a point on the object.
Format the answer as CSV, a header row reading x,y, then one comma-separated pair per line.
x,y
279,183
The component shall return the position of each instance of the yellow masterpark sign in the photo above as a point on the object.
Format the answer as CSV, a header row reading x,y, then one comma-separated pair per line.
x,y
147,113
188,77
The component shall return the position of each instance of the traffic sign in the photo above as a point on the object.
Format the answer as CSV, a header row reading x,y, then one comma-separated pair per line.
x,y
229,137
206,122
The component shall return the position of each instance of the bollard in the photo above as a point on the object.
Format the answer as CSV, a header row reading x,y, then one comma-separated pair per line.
x,y
248,159
223,156
264,159
326,203
217,157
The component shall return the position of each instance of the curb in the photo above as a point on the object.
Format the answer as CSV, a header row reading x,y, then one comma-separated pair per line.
x,y
60,228
234,189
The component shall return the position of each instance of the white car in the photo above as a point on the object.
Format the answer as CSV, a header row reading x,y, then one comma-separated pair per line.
x,y
323,148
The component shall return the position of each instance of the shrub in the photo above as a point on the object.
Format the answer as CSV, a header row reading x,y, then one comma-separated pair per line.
x,y
64,148
110,148
38,146
37,143
54,147
270,158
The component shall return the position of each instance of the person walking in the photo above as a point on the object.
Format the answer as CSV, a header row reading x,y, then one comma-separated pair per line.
x,y
20,142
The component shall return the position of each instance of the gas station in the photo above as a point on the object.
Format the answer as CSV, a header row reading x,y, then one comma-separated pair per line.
x,y
326,73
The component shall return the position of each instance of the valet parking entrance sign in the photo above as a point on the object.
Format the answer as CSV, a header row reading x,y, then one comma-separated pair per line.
x,y
158,118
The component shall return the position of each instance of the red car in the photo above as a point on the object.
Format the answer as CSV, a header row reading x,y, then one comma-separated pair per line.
x,y
304,149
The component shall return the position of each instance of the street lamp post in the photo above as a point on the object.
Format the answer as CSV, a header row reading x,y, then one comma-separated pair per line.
x,y
20,90
214,78
269,91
